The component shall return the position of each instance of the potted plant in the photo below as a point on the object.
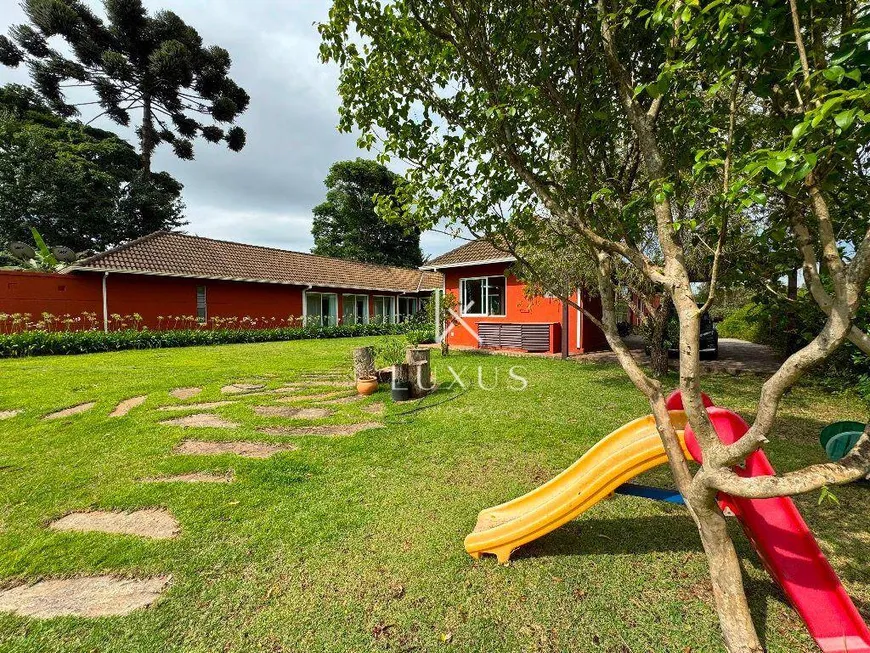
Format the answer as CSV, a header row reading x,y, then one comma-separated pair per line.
x,y
392,354
367,385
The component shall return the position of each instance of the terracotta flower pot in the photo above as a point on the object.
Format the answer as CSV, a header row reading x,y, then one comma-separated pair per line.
x,y
366,385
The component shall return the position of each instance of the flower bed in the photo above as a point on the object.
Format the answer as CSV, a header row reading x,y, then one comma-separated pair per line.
x,y
43,342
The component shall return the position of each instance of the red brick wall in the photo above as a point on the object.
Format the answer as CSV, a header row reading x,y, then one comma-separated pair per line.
x,y
520,309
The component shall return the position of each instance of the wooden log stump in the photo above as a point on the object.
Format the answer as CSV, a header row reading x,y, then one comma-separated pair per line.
x,y
421,371
402,373
363,362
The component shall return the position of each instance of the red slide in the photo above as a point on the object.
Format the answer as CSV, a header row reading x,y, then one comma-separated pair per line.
x,y
790,552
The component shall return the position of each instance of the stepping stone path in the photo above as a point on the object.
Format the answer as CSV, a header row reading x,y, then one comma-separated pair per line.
x,y
241,388
201,420
297,413
350,399
156,524
295,398
201,406
331,431
376,408
9,414
185,393
127,405
90,596
244,449
193,477
74,410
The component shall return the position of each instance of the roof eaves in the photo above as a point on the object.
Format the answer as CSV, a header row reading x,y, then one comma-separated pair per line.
x,y
178,275
435,268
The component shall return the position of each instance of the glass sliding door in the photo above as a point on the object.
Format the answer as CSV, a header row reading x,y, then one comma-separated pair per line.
x,y
385,309
321,309
356,309
407,308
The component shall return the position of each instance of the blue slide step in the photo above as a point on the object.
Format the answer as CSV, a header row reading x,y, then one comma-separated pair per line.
x,y
647,492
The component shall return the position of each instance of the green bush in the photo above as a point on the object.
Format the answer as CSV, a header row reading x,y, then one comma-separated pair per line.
x,y
44,343
744,323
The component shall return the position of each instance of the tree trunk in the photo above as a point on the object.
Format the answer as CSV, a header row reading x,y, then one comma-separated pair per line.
x,y
791,328
146,139
363,362
735,619
658,348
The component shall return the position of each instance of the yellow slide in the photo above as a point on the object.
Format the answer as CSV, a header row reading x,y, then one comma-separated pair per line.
x,y
627,452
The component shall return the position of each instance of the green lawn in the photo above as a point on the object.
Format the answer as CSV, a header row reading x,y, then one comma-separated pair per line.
x,y
355,544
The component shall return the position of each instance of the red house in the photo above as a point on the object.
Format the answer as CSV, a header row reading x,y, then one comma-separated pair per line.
x,y
171,274
494,311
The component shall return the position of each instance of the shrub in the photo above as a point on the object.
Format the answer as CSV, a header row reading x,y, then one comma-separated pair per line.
x,y
44,342
745,323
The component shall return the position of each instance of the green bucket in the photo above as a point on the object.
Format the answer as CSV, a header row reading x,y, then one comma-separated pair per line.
x,y
841,444
837,428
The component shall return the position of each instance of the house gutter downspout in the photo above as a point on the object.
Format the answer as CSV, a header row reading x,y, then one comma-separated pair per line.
x,y
105,304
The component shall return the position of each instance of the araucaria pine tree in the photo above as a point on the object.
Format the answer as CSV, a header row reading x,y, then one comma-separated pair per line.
x,y
154,67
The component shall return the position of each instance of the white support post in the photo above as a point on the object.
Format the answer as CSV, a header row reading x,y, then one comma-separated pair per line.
x,y
105,304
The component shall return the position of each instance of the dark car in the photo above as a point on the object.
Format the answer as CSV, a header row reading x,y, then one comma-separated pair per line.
x,y
709,337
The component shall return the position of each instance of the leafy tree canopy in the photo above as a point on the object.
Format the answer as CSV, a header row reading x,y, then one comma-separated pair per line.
x,y
78,186
347,225
156,65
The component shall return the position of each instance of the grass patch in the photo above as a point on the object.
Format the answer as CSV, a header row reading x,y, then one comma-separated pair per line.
x,y
355,543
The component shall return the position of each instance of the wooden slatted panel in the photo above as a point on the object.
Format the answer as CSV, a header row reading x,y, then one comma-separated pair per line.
x,y
527,337
489,334
536,337
512,336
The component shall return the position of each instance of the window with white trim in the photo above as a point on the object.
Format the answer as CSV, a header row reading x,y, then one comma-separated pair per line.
x,y
385,309
321,308
356,309
408,308
201,304
483,296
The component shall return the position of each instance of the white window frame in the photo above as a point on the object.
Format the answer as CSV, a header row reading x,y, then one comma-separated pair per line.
x,y
485,296
404,317
392,316
204,318
366,311
307,316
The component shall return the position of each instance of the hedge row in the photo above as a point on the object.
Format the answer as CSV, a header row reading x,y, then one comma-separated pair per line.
x,y
45,343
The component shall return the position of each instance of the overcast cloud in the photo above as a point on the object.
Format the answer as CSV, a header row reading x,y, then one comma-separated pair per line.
x,y
264,194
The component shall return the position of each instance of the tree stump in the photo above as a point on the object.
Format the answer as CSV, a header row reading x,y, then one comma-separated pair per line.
x,y
363,362
420,371
402,373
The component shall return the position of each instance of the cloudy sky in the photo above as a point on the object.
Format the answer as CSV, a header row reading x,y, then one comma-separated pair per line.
x,y
265,193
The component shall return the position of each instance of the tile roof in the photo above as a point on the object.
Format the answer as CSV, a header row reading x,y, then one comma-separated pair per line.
x,y
477,251
173,254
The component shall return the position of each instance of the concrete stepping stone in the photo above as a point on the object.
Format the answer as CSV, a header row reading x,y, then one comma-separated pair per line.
x,y
73,410
9,414
185,393
201,420
242,388
127,405
240,448
376,408
295,413
315,397
154,523
350,399
193,477
328,431
89,596
208,405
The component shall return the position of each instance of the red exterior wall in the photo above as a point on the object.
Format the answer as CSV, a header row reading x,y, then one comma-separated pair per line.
x,y
520,309
58,294
153,297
